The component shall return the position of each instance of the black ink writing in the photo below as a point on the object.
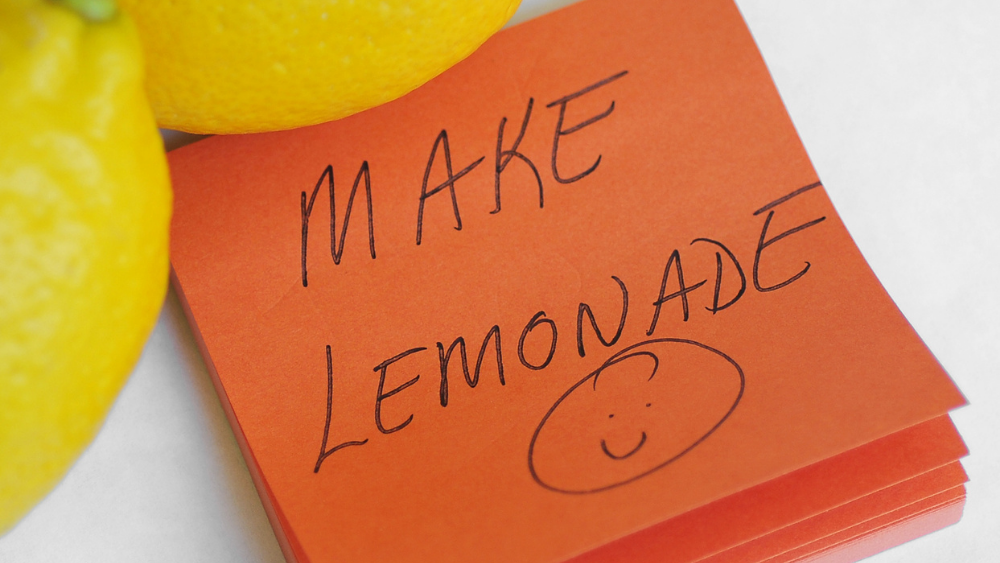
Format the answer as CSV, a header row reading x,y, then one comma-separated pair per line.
x,y
658,350
503,158
765,242
560,132
323,452
715,308
536,320
444,358
442,139
336,250
584,309
381,396
682,291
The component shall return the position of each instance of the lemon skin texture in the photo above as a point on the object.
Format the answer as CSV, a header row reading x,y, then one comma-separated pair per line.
x,y
232,66
84,216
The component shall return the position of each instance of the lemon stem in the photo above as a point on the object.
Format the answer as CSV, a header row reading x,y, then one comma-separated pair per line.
x,y
92,10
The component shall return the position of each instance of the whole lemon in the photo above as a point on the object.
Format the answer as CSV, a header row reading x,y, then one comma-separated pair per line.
x,y
84,216
231,66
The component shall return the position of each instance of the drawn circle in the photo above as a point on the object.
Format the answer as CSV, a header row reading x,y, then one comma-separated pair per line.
x,y
599,437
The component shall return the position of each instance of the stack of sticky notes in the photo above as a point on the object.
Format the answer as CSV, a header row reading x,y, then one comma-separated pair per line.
x,y
582,297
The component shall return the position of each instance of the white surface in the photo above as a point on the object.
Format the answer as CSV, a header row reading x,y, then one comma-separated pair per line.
x,y
898,104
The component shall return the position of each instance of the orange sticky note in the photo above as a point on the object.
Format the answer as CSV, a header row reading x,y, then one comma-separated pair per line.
x,y
580,285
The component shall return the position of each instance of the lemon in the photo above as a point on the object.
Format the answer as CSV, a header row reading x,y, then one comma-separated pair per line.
x,y
84,216
232,66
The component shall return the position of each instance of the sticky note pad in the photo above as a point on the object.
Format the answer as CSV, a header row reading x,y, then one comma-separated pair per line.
x,y
581,297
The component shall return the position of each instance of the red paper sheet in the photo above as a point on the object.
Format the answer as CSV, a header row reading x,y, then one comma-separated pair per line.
x,y
887,531
915,495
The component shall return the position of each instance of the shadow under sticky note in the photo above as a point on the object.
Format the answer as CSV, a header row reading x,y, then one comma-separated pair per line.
x,y
581,296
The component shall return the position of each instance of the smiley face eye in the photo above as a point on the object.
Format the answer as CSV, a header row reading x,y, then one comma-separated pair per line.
x,y
611,415
649,404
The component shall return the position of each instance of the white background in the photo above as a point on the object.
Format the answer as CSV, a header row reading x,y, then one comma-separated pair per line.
x,y
898,104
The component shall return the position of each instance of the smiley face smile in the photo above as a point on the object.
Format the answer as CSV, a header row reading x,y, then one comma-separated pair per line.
x,y
604,446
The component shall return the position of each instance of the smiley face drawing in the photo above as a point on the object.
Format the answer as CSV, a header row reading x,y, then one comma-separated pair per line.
x,y
643,409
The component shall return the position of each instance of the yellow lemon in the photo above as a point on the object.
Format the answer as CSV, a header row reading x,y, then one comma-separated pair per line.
x,y
232,66
84,217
